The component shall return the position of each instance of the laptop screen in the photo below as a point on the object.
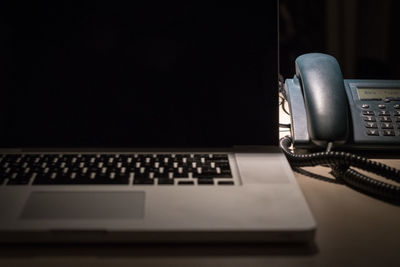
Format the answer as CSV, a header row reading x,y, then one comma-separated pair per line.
x,y
138,74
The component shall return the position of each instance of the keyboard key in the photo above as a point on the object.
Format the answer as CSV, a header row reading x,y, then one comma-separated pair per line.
x,y
225,183
165,181
220,157
185,182
143,181
18,178
225,175
18,181
205,181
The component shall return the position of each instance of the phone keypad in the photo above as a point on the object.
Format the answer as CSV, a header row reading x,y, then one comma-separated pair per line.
x,y
383,122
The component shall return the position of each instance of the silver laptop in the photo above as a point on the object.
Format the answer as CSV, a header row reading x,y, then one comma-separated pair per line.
x,y
144,122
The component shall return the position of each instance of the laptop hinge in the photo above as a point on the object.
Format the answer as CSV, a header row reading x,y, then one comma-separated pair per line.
x,y
10,150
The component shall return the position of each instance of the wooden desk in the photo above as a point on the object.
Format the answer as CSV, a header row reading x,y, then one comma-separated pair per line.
x,y
353,230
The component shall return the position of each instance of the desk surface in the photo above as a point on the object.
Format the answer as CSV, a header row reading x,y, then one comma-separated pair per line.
x,y
353,230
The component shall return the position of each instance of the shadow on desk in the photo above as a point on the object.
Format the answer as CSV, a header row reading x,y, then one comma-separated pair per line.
x,y
155,250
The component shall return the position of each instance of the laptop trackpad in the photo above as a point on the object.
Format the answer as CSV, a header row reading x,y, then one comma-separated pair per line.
x,y
84,205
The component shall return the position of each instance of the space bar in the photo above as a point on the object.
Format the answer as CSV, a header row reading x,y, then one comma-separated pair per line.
x,y
67,180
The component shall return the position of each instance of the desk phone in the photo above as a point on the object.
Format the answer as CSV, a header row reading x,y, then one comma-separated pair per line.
x,y
333,115
352,114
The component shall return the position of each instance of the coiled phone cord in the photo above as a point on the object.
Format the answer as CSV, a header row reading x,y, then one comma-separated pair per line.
x,y
340,162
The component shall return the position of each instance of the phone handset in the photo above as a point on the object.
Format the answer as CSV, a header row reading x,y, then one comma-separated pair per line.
x,y
325,98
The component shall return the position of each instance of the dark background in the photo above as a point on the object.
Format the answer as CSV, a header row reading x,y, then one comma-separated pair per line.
x,y
138,74
362,35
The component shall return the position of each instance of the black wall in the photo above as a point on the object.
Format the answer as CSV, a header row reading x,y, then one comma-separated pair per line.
x,y
362,35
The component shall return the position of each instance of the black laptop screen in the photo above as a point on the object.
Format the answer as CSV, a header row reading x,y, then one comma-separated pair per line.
x,y
138,74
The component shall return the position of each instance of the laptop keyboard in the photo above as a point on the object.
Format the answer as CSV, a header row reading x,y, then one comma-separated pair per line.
x,y
121,169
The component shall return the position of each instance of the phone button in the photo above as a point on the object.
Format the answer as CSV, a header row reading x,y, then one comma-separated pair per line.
x,y
368,112
386,125
397,106
384,113
371,125
381,106
397,112
386,119
369,118
373,132
388,132
365,106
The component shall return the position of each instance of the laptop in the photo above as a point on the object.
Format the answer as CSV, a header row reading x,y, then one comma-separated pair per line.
x,y
144,121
